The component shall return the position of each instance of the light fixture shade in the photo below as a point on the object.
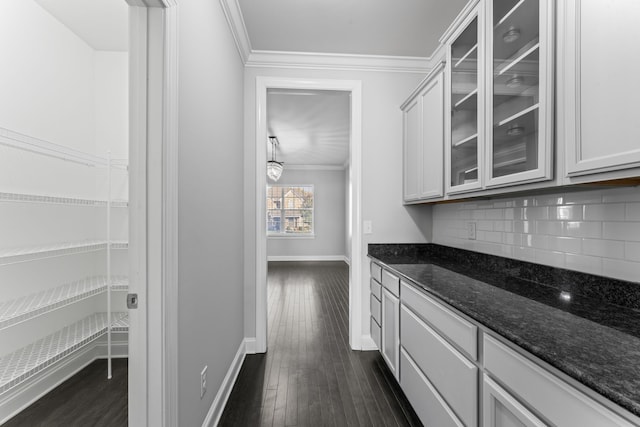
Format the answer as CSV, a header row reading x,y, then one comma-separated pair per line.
x,y
274,170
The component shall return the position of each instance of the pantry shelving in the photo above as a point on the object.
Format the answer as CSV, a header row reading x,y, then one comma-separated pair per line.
x,y
27,361
56,284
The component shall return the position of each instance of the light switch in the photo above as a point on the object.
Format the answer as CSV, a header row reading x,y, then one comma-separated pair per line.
x,y
367,227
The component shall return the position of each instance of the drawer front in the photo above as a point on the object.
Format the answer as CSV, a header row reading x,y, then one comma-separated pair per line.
x,y
428,404
376,272
453,375
391,282
376,288
375,332
461,332
556,400
376,309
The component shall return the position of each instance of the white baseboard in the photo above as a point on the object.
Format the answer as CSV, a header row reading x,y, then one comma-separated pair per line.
x,y
215,411
307,258
25,394
367,343
346,260
250,345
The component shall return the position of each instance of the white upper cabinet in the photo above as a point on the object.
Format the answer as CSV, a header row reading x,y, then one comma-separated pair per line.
x,y
424,140
464,120
519,101
599,118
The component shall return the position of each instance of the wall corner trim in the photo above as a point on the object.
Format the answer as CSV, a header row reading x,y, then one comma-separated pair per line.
x,y
219,402
367,343
233,13
250,345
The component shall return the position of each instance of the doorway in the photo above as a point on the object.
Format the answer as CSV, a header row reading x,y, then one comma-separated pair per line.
x,y
265,84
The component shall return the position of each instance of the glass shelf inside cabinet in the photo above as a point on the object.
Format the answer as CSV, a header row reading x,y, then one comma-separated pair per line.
x,y
464,106
516,71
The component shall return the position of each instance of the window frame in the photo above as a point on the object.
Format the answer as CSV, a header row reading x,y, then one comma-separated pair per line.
x,y
283,209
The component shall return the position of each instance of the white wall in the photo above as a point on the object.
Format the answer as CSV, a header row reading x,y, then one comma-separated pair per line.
x,y
382,94
329,217
210,323
595,231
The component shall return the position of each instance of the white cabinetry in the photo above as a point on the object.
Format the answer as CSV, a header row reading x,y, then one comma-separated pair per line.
x,y
423,139
598,113
503,410
391,331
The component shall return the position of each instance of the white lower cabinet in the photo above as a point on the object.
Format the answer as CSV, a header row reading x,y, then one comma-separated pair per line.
x,y
390,331
503,410
425,399
558,402
375,332
453,375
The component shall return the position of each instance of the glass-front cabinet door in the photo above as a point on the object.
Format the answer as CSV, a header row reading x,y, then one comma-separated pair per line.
x,y
519,91
464,123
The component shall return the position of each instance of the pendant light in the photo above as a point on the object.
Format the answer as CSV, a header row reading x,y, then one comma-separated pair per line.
x,y
274,167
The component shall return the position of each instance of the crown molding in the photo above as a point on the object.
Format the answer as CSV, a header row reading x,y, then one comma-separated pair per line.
x,y
233,14
314,167
281,59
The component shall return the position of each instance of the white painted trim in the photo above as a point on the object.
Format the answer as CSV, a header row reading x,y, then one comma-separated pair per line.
x,y
306,258
336,61
355,176
368,344
233,14
314,167
250,345
346,260
454,26
217,406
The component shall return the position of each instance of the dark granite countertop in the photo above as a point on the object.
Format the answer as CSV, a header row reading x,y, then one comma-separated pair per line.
x,y
593,337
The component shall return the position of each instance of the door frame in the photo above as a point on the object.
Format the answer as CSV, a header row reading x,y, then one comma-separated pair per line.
x,y
355,178
153,212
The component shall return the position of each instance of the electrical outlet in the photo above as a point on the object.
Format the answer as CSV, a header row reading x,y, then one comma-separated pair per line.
x,y
471,230
367,227
203,382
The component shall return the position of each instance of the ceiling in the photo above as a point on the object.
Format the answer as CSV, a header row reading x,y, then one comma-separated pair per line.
x,y
361,27
312,126
103,24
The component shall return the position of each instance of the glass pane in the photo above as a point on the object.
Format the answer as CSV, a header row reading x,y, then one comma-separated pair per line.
x,y
464,106
298,221
516,71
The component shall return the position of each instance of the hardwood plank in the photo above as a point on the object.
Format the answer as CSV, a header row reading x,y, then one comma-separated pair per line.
x,y
309,375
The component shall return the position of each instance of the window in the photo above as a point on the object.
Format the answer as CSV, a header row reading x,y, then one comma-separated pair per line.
x,y
290,210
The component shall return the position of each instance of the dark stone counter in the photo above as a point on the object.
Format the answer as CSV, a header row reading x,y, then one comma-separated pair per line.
x,y
592,335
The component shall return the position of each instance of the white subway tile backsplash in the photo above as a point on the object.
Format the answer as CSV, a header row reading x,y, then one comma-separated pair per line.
x,y
584,263
566,213
603,248
632,212
583,229
632,251
564,244
595,231
625,270
621,231
604,212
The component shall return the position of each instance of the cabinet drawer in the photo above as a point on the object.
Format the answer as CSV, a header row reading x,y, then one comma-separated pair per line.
x,y
428,404
559,402
374,306
376,272
453,375
461,332
391,282
375,332
376,288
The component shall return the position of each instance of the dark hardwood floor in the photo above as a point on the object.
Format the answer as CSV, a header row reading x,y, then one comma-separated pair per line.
x,y
309,375
86,399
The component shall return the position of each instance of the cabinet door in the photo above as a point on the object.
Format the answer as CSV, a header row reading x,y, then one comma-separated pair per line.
x,y
464,118
519,98
391,331
599,84
502,410
412,151
432,165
